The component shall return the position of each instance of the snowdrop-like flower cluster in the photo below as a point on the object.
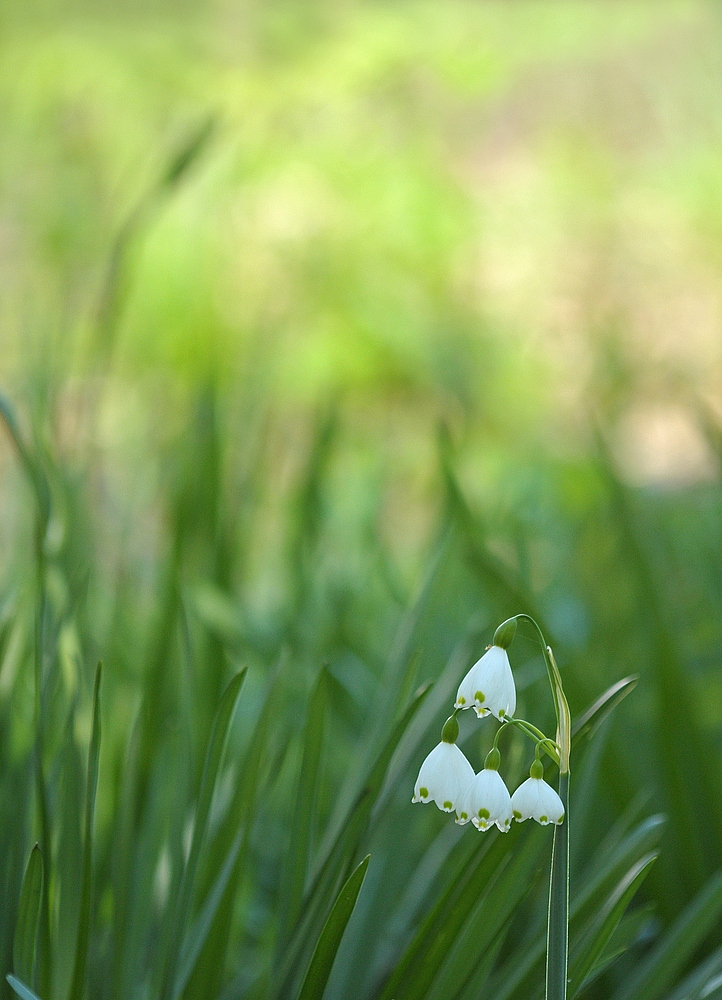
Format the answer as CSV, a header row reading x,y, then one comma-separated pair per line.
x,y
448,779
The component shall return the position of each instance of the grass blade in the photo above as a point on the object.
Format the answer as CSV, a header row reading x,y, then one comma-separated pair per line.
x,y
23,991
211,767
595,715
81,948
341,847
324,954
518,975
492,910
26,931
655,975
199,931
420,962
592,948
299,850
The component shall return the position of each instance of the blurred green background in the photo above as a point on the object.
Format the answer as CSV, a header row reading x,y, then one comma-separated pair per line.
x,y
342,332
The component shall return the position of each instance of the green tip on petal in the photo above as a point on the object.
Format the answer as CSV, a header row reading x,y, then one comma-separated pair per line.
x,y
450,732
493,759
504,635
537,769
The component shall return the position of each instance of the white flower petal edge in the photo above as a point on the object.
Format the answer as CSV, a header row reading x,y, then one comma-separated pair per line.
x,y
489,686
486,802
535,799
444,777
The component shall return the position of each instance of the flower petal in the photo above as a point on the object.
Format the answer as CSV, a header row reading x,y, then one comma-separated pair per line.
x,y
551,809
488,801
489,686
443,777
535,799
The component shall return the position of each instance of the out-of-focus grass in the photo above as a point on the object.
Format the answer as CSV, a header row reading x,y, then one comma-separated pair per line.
x,y
500,219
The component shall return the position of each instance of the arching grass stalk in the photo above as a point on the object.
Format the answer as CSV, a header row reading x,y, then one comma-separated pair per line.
x,y
558,918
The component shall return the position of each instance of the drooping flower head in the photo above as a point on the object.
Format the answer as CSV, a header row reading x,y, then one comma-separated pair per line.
x,y
487,800
535,799
446,773
489,686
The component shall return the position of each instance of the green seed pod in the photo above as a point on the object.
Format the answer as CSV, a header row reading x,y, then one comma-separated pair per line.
x,y
493,759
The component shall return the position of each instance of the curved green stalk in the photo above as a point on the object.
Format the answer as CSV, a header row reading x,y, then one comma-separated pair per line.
x,y
558,920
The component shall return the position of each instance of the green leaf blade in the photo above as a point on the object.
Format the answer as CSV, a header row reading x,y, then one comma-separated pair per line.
x,y
299,850
22,990
314,983
607,922
77,986
653,977
214,756
26,931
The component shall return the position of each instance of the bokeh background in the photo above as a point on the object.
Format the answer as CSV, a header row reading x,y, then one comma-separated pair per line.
x,y
345,331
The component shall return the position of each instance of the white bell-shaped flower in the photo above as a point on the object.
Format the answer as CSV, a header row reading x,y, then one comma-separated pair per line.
x,y
445,774
535,799
489,686
487,800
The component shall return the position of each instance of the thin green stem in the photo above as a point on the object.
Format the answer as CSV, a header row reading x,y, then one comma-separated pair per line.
x,y
534,734
546,743
558,922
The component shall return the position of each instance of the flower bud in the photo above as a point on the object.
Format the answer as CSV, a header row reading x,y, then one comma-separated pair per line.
x,y
504,635
450,732
493,759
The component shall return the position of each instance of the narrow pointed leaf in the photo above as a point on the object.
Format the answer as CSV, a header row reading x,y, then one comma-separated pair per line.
x,y
208,974
702,980
211,767
594,943
299,850
338,855
22,990
518,974
453,964
588,723
324,954
189,151
204,921
77,986
655,975
26,930
420,962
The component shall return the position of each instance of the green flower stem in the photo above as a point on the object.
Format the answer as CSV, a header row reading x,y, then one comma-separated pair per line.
x,y
534,734
532,730
561,706
558,922
549,747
